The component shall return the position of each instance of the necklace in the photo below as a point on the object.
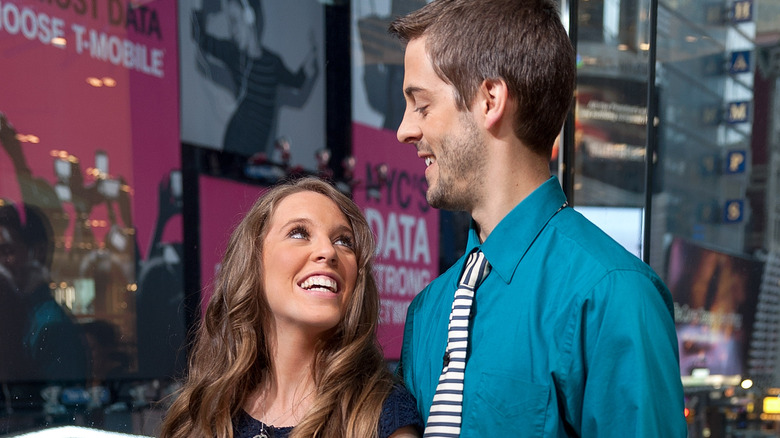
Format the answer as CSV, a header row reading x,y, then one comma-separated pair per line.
x,y
264,433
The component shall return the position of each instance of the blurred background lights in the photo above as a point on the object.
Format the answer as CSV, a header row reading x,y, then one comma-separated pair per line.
x,y
95,82
101,82
59,42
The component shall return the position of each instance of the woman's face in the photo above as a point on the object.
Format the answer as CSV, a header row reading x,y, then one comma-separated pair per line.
x,y
309,263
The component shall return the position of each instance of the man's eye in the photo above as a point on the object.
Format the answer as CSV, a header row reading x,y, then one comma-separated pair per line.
x,y
422,110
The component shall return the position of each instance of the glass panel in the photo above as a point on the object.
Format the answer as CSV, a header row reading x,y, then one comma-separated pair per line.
x,y
701,212
610,129
91,322
611,104
708,219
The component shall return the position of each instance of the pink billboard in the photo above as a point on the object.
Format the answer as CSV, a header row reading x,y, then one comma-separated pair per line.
x,y
219,216
390,189
90,154
96,82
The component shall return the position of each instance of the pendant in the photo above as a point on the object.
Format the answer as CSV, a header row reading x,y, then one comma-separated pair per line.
x,y
263,434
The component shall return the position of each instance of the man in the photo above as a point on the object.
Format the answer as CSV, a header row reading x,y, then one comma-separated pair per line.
x,y
568,333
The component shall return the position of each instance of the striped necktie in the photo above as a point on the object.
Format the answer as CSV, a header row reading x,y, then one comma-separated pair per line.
x,y
445,416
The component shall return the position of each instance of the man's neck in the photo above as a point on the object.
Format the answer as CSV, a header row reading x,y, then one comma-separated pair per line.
x,y
512,177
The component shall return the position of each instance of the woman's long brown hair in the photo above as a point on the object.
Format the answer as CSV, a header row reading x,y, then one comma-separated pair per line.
x,y
231,356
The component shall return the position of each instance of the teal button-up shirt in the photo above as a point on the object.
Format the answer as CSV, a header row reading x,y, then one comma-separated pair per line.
x,y
571,334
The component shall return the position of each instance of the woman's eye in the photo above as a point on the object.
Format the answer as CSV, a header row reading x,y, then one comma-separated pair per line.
x,y
346,241
423,110
299,233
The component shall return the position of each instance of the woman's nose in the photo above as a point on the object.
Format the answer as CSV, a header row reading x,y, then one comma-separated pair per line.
x,y
325,250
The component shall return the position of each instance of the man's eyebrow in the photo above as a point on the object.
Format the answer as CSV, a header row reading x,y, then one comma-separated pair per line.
x,y
410,90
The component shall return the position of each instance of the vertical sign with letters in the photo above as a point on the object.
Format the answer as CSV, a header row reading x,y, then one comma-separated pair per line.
x,y
742,11
391,192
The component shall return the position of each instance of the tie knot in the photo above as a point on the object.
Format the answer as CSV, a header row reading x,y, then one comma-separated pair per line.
x,y
477,268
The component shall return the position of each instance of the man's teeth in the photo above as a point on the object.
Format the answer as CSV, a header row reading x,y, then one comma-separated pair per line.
x,y
428,161
320,282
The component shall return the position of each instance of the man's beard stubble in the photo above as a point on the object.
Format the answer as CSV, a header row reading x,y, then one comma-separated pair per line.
x,y
461,165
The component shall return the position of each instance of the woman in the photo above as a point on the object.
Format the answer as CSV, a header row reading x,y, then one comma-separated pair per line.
x,y
288,345
260,81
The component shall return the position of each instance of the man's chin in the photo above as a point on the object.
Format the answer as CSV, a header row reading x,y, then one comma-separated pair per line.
x,y
448,200
437,200
431,195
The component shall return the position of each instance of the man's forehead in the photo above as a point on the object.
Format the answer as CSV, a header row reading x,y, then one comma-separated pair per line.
x,y
420,77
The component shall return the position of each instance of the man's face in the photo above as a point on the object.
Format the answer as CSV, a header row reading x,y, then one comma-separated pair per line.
x,y
449,140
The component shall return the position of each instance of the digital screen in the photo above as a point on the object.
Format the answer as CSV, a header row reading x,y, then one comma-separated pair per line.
x,y
715,295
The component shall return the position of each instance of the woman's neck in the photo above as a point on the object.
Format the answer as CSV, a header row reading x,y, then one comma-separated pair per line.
x,y
286,395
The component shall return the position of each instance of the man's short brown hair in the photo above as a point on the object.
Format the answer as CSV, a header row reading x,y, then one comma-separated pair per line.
x,y
522,42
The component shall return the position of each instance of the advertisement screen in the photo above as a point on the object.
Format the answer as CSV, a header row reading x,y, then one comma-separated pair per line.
x,y
253,77
609,141
714,304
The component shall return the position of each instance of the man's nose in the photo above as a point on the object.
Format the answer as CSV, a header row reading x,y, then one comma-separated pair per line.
x,y
408,132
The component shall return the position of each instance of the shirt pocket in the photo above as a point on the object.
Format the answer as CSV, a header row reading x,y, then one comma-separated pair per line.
x,y
507,406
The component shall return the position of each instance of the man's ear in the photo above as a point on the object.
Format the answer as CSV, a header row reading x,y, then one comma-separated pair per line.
x,y
494,95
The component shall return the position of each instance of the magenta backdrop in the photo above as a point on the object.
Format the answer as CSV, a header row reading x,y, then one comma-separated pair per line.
x,y
97,82
44,91
222,205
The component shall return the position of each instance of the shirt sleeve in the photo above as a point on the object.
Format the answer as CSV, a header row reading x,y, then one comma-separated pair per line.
x,y
399,410
405,368
625,361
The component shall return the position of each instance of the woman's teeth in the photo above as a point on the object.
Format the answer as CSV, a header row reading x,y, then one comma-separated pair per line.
x,y
320,282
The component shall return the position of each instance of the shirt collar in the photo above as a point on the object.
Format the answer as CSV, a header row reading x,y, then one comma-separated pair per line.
x,y
509,241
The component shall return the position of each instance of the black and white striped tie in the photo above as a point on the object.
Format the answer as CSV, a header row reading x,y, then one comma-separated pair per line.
x,y
445,416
